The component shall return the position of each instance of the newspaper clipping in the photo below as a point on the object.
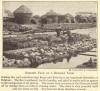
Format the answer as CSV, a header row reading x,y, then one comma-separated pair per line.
x,y
49,45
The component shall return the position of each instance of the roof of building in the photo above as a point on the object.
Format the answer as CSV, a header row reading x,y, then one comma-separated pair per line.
x,y
22,9
51,12
68,15
86,14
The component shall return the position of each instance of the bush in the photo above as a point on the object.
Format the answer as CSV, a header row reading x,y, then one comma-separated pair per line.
x,y
11,26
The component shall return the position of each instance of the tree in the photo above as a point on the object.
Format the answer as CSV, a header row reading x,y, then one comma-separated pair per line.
x,y
92,19
81,19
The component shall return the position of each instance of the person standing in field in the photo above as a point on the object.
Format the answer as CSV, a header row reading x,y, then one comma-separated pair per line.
x,y
58,30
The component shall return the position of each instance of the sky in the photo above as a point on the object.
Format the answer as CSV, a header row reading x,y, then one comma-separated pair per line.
x,y
60,7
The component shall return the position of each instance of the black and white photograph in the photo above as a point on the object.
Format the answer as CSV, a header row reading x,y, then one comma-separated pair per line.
x,y
50,34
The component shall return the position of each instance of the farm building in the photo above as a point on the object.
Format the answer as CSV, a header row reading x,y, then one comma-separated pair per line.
x,y
22,15
53,17
69,18
85,17
86,14
35,19
7,15
50,17
61,19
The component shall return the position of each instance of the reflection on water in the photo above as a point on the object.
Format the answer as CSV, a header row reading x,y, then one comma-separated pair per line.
x,y
92,32
74,61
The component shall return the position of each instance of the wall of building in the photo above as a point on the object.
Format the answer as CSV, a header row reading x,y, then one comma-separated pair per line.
x,y
23,18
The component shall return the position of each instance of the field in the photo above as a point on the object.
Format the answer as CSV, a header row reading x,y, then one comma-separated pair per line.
x,y
35,48
13,28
